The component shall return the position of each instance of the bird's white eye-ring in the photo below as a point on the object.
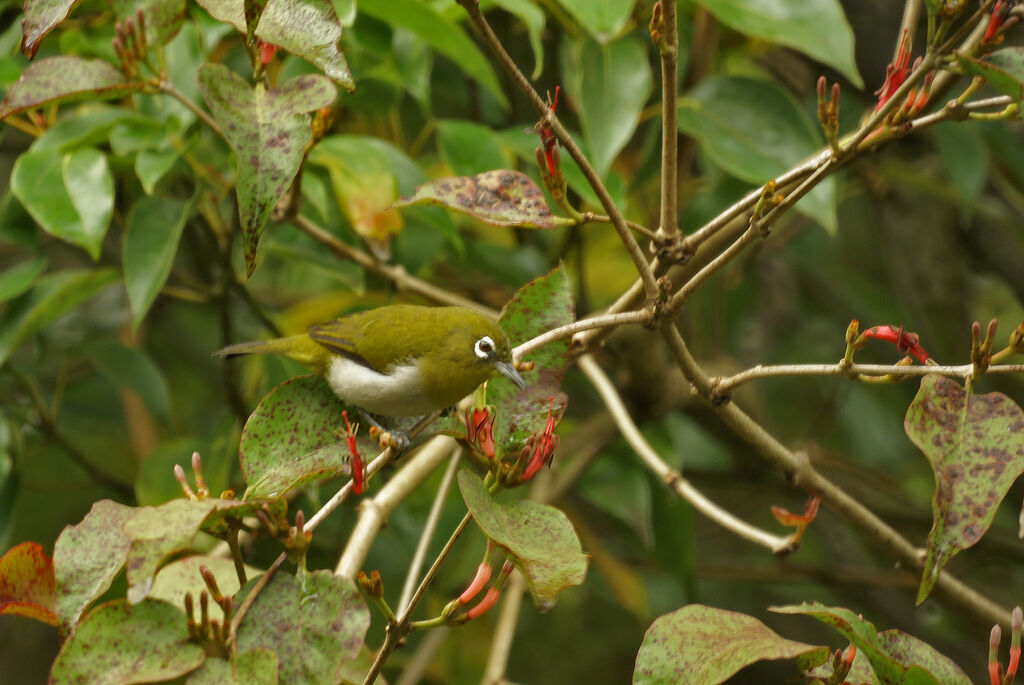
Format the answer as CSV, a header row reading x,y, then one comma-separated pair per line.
x,y
484,347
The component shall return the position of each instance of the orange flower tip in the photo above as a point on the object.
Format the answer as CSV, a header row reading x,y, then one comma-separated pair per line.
x,y
483,574
489,600
1016,620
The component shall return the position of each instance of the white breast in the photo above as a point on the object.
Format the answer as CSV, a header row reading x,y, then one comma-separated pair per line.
x,y
395,394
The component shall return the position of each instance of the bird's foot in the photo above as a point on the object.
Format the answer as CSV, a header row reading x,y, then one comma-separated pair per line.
x,y
397,440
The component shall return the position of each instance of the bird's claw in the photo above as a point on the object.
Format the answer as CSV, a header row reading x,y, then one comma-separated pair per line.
x,y
397,440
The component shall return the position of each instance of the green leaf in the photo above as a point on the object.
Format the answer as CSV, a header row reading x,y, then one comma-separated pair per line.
x,y
269,130
87,557
90,186
604,19
291,439
158,533
539,306
89,126
71,195
18,278
163,18
965,156
501,198
152,165
130,368
309,29
257,667
65,79
975,444
537,538
441,34
895,658
613,84
26,583
365,185
54,295
533,18
121,643
816,28
41,16
469,148
756,131
700,644
314,625
151,240
1003,70
180,577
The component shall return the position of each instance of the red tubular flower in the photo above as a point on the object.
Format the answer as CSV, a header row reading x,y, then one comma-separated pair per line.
x,y
267,51
895,73
1000,11
994,667
483,574
540,446
357,462
489,600
905,342
480,429
547,136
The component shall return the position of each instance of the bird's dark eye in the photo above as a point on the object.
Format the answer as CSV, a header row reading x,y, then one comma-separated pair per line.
x,y
484,347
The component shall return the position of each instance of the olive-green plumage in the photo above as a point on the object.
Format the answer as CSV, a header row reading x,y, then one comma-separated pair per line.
x,y
399,360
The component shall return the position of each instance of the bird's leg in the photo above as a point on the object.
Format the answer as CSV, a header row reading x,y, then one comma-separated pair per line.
x,y
387,438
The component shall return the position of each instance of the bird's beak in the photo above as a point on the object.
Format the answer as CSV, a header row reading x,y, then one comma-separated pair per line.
x,y
507,370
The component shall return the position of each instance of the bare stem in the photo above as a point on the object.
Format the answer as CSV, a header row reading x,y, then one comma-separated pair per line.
x,y
798,467
168,88
429,526
396,274
552,122
726,384
778,545
669,45
642,316
374,512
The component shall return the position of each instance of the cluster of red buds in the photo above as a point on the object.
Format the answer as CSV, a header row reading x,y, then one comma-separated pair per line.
x,y
895,72
538,451
217,634
129,43
828,112
451,612
999,21
996,674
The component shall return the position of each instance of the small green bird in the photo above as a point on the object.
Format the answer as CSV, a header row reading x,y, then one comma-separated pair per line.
x,y
401,359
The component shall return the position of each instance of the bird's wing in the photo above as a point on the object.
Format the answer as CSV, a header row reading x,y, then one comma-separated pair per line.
x,y
334,337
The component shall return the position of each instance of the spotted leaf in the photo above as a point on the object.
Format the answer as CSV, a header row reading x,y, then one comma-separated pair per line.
x,y
975,444
501,198
268,130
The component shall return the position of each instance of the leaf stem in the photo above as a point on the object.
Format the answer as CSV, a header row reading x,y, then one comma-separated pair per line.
x,y
168,88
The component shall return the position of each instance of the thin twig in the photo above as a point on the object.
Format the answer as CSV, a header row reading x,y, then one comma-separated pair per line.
x,y
552,122
168,88
373,512
726,384
642,316
396,274
394,633
798,467
429,526
669,48
778,545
